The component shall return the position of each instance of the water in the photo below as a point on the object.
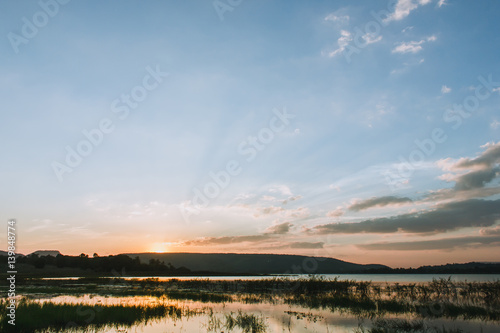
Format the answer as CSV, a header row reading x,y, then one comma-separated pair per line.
x,y
212,317
391,278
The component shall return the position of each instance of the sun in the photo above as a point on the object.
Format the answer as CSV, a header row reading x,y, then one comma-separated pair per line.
x,y
159,248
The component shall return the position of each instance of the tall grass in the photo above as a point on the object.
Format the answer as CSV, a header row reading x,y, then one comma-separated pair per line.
x,y
31,315
439,298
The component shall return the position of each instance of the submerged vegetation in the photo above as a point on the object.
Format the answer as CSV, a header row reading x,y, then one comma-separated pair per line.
x,y
32,315
427,301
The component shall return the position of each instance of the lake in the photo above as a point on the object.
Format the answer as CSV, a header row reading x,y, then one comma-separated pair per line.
x,y
392,278
240,304
239,317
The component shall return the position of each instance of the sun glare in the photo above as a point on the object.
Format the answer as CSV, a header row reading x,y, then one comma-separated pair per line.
x,y
159,248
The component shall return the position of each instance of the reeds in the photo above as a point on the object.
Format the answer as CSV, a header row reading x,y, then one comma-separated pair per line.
x,y
31,315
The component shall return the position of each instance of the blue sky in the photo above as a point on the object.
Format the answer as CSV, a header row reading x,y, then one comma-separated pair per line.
x,y
359,92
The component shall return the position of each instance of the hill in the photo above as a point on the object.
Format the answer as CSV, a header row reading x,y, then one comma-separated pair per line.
x,y
233,263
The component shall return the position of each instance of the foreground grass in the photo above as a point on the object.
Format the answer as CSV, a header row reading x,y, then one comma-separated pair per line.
x,y
405,326
31,315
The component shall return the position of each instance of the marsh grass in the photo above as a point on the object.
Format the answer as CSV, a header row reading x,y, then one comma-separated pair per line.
x,y
31,315
248,323
405,326
441,298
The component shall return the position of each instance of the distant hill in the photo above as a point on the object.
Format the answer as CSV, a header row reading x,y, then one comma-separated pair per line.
x,y
40,253
52,253
5,253
233,263
466,268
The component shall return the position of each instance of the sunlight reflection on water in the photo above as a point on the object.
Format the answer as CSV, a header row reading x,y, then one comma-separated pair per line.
x,y
210,317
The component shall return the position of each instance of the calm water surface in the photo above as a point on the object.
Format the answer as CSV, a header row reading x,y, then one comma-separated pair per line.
x,y
401,278
210,317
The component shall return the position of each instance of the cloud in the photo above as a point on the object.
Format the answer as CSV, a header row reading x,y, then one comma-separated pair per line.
x,y
435,244
336,212
441,3
282,189
445,217
290,199
306,245
412,46
378,202
346,37
344,40
227,240
491,231
269,210
495,124
445,89
473,173
476,179
487,159
371,38
404,7
337,17
279,229
300,212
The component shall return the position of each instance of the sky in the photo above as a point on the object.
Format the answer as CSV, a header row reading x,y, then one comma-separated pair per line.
x,y
367,131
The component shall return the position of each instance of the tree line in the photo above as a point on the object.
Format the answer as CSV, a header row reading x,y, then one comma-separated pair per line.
x,y
99,264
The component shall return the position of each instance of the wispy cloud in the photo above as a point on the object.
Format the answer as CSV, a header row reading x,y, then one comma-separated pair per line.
x,y
412,46
306,245
445,89
279,229
404,7
339,211
337,17
206,241
379,202
344,40
435,244
495,124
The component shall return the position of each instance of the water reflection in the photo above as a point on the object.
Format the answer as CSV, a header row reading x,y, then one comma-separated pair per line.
x,y
162,314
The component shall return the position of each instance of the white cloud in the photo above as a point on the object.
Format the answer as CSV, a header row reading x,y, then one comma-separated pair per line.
x,y
283,189
371,38
404,7
338,212
495,124
344,40
445,89
346,37
337,18
441,3
413,46
410,47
